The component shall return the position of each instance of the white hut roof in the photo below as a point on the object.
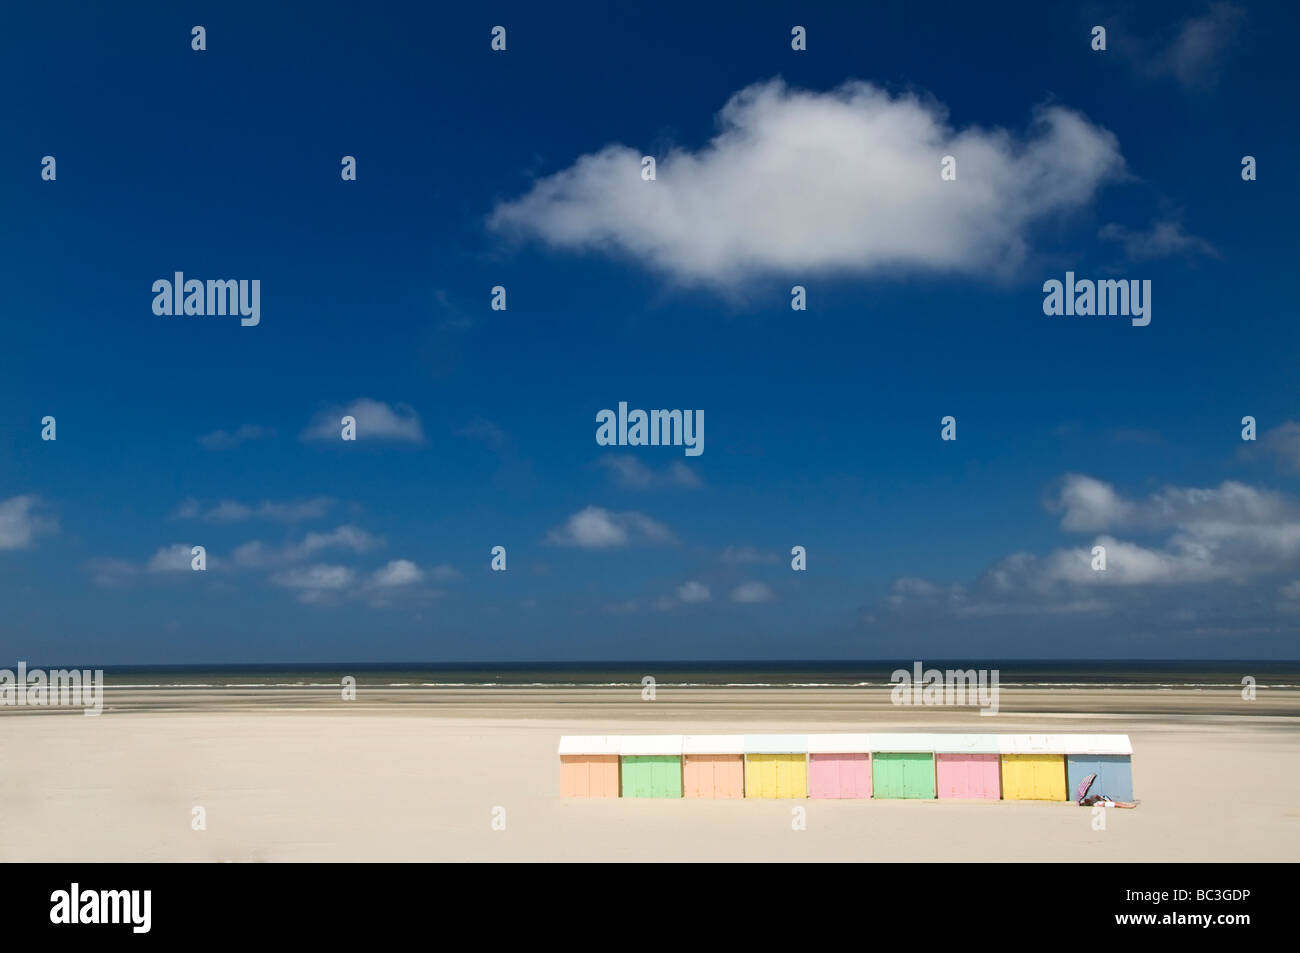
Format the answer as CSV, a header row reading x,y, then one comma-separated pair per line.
x,y
776,744
839,744
589,744
904,742
1098,744
967,744
1032,744
713,744
651,745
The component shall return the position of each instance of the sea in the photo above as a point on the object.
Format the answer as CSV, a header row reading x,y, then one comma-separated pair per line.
x,y
1012,673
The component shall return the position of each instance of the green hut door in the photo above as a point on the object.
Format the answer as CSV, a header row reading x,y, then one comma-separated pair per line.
x,y
652,776
918,775
897,774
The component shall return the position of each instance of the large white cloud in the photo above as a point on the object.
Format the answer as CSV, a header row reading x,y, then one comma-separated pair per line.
x,y
798,182
1216,544
1232,516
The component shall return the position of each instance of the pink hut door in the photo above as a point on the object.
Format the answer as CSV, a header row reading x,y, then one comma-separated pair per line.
x,y
839,776
968,776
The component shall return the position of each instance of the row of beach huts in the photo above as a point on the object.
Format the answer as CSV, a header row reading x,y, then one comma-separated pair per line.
x,y
989,767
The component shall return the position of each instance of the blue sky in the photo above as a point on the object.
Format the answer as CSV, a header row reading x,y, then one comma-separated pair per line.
x,y
476,427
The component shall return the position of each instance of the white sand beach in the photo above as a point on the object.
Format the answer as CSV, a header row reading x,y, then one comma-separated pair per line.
x,y
416,776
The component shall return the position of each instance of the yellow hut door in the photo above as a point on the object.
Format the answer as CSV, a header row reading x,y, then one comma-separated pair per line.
x,y
1033,777
776,775
1049,778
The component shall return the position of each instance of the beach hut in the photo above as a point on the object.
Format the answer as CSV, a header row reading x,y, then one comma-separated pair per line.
x,y
713,766
902,766
1033,767
839,766
1110,757
967,766
776,766
589,765
651,765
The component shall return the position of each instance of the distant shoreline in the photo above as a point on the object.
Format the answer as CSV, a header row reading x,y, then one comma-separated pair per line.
x,y
1014,673
596,706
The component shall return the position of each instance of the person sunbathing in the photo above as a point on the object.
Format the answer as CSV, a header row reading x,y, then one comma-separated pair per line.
x,y
1104,801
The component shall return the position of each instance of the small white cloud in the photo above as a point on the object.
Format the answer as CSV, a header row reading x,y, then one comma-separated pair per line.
x,y
111,573
21,520
229,439
741,555
1199,50
174,558
232,511
375,421
454,318
751,592
693,592
485,432
256,554
189,509
679,474
253,554
630,473
627,471
399,572
1162,240
345,537
170,560
597,528
316,579
444,573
